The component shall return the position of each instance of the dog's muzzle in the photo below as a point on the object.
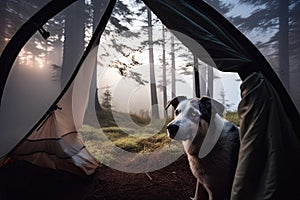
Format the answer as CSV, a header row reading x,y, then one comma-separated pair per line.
x,y
172,130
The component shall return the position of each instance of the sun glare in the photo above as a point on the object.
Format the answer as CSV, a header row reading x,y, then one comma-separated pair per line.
x,y
27,59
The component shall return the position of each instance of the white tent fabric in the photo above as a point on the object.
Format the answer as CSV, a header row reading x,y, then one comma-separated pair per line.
x,y
48,119
56,143
27,90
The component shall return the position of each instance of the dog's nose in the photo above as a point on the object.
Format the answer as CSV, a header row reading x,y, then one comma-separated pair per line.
x,y
172,130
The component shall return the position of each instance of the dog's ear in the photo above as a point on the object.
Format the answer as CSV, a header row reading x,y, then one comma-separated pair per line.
x,y
175,101
213,105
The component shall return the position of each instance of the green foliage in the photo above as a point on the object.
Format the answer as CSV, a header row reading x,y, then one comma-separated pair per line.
x,y
233,117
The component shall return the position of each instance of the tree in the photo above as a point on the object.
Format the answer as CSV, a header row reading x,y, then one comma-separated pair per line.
x,y
196,77
173,76
283,41
154,101
295,35
224,101
13,15
96,9
220,5
295,53
74,39
164,65
269,16
277,25
203,79
106,103
210,82
3,22
223,8
282,18
118,33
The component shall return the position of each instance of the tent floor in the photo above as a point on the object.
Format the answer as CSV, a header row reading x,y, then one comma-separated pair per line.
x,y
21,180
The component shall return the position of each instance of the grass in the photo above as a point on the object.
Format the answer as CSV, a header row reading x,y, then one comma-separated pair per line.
x,y
233,117
98,140
122,139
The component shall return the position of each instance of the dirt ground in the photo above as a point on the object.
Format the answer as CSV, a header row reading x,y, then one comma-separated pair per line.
x,y
21,180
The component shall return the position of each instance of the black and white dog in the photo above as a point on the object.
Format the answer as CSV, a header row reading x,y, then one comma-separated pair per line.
x,y
210,142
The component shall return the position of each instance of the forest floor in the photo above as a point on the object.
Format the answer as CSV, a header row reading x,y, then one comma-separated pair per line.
x,y
21,180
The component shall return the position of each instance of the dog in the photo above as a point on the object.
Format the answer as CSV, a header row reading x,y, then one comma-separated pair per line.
x,y
211,144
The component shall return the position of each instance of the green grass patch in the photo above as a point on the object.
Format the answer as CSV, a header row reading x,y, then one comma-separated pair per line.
x,y
233,117
145,139
120,137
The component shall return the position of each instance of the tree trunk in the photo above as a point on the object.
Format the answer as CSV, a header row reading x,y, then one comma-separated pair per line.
x,y
203,74
210,82
173,82
164,67
196,77
295,56
93,106
284,42
74,40
3,26
154,102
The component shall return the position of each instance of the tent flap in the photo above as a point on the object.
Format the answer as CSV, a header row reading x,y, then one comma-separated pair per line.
x,y
269,156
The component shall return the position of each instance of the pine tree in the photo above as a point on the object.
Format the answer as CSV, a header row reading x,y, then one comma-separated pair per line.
x,y
107,97
272,15
154,101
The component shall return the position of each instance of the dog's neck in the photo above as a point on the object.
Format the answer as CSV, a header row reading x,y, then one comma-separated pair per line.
x,y
192,147
206,137
212,136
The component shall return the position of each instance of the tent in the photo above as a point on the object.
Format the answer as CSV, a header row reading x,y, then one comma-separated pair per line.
x,y
53,140
47,131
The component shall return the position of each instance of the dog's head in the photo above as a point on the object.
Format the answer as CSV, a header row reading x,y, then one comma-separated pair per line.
x,y
192,117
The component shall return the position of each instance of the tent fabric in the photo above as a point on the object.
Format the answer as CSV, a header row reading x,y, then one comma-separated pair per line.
x,y
269,157
19,101
54,141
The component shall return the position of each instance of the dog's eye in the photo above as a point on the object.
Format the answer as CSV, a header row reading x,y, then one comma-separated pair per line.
x,y
193,114
177,112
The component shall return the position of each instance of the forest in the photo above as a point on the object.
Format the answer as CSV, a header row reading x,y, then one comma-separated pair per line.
x,y
272,25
